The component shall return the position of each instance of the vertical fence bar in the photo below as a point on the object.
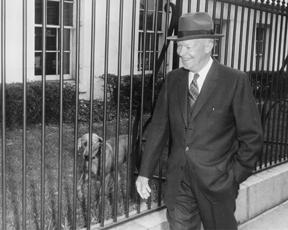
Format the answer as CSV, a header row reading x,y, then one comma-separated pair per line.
x,y
214,9
130,168
60,163
142,87
153,85
206,5
274,86
269,94
189,6
253,39
259,76
44,24
119,70
154,52
285,11
234,35
264,98
3,81
155,23
24,140
165,82
241,35
107,20
270,104
227,34
77,71
279,87
263,56
221,30
198,6
247,35
92,71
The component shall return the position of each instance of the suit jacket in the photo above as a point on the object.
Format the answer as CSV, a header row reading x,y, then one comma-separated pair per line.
x,y
222,138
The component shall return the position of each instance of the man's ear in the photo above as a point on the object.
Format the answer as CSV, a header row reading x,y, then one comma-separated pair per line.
x,y
209,46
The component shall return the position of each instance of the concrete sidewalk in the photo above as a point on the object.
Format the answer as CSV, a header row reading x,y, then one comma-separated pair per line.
x,y
273,219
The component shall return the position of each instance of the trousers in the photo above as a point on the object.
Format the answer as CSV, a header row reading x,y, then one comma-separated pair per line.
x,y
193,208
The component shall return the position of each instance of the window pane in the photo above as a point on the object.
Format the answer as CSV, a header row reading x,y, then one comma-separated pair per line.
x,y
38,38
38,64
53,13
68,14
159,22
160,5
142,4
67,39
148,41
152,42
50,63
141,20
140,42
38,11
151,5
66,63
51,38
149,20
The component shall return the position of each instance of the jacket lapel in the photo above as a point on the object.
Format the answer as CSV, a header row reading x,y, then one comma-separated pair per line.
x,y
207,89
182,94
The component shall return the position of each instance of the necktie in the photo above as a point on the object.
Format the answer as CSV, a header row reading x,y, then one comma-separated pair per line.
x,y
193,91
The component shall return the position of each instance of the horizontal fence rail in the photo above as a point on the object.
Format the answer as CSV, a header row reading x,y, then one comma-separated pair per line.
x,y
74,125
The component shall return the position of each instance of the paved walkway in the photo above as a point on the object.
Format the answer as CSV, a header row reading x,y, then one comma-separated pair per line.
x,y
274,219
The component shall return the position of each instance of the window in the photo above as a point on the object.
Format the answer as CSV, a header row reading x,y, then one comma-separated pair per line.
x,y
151,15
260,36
53,37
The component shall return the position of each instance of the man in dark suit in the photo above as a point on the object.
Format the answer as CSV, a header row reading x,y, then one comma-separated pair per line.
x,y
209,113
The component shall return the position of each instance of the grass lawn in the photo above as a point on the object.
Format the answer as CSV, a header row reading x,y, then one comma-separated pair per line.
x,y
33,175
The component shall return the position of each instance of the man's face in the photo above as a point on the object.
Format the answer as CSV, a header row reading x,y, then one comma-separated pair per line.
x,y
194,53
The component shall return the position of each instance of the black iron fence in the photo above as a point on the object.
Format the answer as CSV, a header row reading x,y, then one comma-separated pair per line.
x,y
54,173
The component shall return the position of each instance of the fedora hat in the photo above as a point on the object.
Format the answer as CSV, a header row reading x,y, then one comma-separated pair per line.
x,y
194,26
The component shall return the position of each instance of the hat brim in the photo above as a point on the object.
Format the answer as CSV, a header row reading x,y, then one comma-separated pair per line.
x,y
198,36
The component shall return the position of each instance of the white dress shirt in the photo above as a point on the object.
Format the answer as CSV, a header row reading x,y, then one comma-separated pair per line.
x,y
202,75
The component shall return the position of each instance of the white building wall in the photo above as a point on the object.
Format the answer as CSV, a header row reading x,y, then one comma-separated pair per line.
x,y
113,44
14,29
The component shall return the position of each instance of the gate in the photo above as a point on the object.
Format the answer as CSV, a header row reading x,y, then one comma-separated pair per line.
x,y
89,89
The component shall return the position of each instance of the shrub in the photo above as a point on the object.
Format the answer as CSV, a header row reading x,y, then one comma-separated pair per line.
x,y
14,103
125,87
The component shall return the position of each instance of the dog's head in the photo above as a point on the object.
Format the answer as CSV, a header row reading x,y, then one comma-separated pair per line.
x,y
83,146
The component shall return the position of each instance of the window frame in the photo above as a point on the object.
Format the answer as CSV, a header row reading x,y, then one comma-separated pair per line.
x,y
150,34
56,51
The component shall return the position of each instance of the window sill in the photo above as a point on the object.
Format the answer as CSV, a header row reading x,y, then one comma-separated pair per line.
x,y
67,77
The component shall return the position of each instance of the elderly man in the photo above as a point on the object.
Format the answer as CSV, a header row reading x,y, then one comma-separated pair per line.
x,y
210,115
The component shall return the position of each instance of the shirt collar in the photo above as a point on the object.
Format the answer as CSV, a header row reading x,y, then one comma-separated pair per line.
x,y
202,74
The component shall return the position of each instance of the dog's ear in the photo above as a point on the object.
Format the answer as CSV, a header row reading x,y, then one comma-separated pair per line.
x,y
82,142
79,143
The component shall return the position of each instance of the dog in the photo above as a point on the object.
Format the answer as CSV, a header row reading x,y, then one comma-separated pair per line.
x,y
110,151
97,149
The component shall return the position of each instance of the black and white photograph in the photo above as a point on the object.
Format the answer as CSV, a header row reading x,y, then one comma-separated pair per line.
x,y
144,114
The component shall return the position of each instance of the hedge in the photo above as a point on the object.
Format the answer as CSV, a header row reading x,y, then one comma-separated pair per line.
x,y
14,101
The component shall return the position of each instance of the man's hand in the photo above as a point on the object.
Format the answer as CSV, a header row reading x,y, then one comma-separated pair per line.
x,y
143,187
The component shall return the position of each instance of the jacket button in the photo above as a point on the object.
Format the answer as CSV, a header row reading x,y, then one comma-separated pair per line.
x,y
186,149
